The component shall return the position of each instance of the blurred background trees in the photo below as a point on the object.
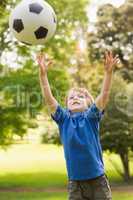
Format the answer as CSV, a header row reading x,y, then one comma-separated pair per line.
x,y
19,85
113,30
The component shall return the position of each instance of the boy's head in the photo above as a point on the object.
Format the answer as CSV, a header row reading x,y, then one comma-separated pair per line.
x,y
78,99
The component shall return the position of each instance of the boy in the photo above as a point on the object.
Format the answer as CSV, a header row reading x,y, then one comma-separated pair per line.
x,y
79,131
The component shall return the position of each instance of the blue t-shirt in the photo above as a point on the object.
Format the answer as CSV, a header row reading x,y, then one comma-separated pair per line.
x,y
79,133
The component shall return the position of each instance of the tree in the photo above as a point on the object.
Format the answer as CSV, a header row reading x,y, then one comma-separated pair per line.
x,y
19,87
113,30
117,125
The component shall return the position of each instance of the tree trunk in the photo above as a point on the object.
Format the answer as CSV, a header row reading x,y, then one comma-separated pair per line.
x,y
125,162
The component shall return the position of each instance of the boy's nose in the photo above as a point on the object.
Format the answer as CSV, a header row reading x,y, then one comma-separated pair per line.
x,y
75,97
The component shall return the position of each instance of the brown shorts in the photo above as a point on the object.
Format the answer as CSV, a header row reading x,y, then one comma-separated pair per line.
x,y
94,189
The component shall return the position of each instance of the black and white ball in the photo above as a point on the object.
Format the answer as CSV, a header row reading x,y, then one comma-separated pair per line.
x,y
33,22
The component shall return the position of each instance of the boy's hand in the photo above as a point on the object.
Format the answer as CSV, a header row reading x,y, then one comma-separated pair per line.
x,y
44,62
110,61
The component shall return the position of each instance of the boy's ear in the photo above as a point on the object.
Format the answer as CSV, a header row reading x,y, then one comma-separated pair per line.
x,y
88,101
90,98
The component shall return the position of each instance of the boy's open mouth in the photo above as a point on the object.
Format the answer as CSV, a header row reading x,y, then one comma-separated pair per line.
x,y
76,103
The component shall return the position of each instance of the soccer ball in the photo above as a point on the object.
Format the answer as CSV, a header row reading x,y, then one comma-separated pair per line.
x,y
33,22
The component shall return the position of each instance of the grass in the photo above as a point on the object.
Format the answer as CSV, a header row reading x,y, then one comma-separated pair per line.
x,y
33,196
43,166
48,196
117,196
32,166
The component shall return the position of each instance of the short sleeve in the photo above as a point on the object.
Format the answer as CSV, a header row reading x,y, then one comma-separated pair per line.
x,y
59,115
94,113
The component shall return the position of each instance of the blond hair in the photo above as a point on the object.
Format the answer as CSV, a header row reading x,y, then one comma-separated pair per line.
x,y
82,91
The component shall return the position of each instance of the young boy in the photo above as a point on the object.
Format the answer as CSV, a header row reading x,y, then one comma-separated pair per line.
x,y
79,132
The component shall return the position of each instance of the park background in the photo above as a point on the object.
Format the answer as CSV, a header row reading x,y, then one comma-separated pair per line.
x,y
32,165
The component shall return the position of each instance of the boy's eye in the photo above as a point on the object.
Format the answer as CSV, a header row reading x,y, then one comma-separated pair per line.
x,y
71,98
82,97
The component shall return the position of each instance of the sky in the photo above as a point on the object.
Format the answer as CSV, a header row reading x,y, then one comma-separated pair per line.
x,y
95,3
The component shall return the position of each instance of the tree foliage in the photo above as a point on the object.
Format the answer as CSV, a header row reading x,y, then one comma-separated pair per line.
x,y
21,98
117,125
113,30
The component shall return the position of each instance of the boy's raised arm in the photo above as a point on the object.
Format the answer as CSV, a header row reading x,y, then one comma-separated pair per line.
x,y
110,62
44,63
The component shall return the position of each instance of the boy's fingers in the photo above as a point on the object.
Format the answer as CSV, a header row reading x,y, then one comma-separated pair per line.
x,y
116,61
116,57
39,57
39,54
43,60
107,55
110,53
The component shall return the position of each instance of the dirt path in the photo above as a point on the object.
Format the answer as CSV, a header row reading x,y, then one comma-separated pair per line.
x,y
128,189
122,189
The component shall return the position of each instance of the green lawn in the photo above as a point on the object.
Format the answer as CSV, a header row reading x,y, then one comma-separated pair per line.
x,y
33,196
32,166
42,166
48,196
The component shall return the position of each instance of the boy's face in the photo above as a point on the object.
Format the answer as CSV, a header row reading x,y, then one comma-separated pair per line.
x,y
77,101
